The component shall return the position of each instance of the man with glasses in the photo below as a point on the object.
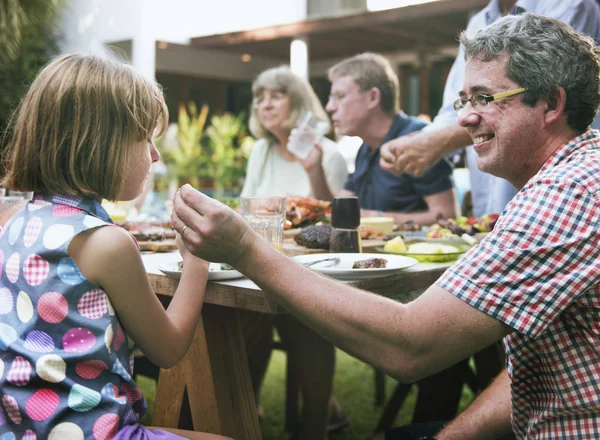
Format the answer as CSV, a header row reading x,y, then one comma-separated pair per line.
x,y
364,102
533,282
444,136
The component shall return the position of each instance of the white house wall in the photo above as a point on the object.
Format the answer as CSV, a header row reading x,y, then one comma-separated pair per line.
x,y
91,24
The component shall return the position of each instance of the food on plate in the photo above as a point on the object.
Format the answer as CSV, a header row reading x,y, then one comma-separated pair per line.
x,y
368,233
314,237
395,245
377,225
431,248
153,235
448,227
370,263
409,226
304,211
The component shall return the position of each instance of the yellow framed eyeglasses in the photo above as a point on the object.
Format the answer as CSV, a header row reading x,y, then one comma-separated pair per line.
x,y
483,99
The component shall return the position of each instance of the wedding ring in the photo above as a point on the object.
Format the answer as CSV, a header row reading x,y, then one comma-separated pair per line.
x,y
182,230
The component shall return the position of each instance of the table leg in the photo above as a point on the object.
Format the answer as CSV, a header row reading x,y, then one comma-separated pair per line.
x,y
215,374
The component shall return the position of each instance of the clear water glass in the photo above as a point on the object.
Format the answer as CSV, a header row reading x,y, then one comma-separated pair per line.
x,y
266,216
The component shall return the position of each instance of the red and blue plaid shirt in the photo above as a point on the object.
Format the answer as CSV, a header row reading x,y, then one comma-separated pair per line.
x,y
539,273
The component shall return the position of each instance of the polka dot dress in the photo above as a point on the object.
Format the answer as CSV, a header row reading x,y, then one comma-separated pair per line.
x,y
65,371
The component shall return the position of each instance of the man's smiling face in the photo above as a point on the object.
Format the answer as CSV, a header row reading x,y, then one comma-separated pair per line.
x,y
506,133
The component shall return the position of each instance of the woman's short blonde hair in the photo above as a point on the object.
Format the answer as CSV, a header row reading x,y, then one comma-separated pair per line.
x,y
301,94
75,130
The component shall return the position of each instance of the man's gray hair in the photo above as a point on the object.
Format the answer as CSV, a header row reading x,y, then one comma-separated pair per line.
x,y
544,53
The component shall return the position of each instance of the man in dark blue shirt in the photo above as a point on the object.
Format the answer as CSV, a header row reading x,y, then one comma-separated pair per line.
x,y
364,103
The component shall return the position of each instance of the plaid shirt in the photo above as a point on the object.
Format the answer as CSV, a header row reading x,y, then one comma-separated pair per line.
x,y
539,273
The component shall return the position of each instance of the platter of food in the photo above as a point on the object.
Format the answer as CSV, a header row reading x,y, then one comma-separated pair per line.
x,y
304,211
456,227
216,271
427,250
154,235
353,267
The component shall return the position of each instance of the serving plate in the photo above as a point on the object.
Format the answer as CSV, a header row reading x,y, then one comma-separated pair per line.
x,y
342,269
215,272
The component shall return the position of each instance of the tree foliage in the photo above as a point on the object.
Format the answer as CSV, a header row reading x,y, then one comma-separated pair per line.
x,y
28,39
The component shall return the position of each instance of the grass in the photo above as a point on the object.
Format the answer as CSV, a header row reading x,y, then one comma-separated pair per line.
x,y
353,387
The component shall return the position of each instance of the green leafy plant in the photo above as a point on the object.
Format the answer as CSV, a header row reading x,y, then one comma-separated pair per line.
x,y
184,156
214,155
230,147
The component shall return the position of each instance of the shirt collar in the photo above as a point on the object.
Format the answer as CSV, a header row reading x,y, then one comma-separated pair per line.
x,y
398,124
584,140
88,205
493,12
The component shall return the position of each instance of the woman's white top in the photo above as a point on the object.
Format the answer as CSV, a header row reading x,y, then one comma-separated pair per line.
x,y
268,174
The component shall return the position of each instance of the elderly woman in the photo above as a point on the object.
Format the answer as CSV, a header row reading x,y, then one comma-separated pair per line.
x,y
281,99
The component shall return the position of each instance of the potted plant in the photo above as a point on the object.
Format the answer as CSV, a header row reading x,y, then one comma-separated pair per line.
x,y
181,147
230,145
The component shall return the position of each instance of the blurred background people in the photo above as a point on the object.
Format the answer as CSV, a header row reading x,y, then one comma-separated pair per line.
x,y
364,102
414,155
281,99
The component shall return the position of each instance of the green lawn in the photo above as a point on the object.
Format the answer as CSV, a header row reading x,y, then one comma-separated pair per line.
x,y
353,386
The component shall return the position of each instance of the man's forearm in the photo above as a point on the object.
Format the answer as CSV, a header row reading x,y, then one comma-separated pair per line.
x,y
487,417
402,340
318,184
424,218
355,321
449,139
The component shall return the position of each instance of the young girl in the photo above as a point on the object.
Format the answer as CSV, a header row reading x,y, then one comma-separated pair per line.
x,y
74,295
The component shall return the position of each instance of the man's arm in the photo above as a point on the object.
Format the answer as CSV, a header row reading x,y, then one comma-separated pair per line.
x,y
406,341
487,417
313,165
441,203
418,151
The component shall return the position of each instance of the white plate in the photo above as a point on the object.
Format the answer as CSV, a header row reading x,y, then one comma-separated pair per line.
x,y
215,273
343,270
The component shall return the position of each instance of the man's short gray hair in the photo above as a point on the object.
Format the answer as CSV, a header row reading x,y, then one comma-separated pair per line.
x,y
544,53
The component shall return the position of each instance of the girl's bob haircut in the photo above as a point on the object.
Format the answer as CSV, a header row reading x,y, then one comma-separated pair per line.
x,y
82,122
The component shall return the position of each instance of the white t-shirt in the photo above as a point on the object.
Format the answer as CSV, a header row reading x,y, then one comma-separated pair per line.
x,y
268,174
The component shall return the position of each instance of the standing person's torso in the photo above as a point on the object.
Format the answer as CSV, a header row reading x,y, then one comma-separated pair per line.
x,y
67,361
490,193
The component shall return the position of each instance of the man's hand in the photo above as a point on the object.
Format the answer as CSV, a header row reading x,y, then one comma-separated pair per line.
x,y
214,231
412,153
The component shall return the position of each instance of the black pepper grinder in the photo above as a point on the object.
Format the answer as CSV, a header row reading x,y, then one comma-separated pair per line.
x,y
345,220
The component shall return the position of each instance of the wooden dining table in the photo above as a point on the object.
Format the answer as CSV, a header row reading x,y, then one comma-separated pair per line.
x,y
214,373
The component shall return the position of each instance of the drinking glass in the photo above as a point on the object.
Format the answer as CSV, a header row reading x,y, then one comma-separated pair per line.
x,y
310,131
266,216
